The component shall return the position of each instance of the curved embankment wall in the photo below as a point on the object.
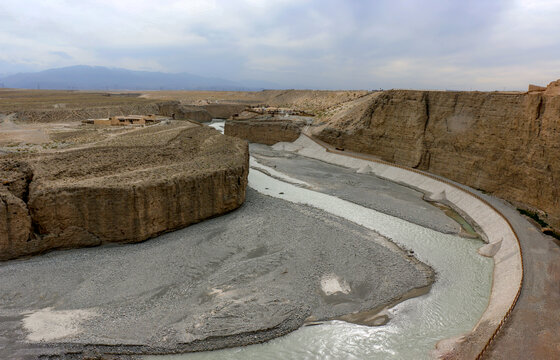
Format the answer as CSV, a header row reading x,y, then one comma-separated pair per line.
x,y
264,131
503,143
503,243
126,189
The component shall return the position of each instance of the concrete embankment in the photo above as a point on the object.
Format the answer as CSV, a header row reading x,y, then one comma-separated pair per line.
x,y
503,244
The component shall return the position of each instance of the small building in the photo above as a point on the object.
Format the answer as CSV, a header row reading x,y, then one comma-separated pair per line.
x,y
122,120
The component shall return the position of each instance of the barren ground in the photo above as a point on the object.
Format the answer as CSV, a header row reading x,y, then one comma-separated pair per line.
x,y
246,277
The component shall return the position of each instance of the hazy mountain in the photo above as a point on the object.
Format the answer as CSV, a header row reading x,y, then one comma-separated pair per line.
x,y
101,78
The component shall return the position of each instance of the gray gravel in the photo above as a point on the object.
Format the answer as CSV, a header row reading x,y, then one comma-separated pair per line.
x,y
241,278
364,189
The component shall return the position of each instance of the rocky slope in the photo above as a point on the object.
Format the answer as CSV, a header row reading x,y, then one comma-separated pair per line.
x,y
507,144
127,188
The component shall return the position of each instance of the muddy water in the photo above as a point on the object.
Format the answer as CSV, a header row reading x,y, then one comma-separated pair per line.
x,y
466,228
453,306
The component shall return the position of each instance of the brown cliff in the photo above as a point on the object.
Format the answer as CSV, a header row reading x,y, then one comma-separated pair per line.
x,y
535,88
223,111
175,110
127,188
553,88
200,113
267,131
505,144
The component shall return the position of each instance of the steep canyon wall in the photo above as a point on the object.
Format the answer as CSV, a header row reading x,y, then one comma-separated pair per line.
x,y
507,144
267,132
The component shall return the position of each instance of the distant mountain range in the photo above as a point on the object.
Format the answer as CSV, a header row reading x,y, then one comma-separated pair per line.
x,y
84,77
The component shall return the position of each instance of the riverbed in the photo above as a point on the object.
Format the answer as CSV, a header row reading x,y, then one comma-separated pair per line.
x,y
457,299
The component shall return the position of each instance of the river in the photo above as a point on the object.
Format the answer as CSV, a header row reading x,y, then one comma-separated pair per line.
x,y
453,306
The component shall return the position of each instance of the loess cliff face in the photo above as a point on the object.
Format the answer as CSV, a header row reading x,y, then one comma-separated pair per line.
x,y
127,188
503,143
175,110
264,131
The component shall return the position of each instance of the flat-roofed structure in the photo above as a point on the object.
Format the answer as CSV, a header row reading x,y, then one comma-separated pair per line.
x,y
123,120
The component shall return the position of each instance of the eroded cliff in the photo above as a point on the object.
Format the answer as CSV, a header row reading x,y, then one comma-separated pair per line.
x,y
264,131
127,188
506,144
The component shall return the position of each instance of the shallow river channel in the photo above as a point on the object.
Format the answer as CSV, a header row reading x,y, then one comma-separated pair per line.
x,y
457,299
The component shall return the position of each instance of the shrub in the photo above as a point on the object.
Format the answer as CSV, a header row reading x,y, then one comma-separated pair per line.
x,y
533,215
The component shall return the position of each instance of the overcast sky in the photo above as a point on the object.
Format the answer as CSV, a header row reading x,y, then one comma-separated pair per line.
x,y
428,44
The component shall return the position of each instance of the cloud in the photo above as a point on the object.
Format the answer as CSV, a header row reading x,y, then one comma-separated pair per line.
x,y
61,54
295,43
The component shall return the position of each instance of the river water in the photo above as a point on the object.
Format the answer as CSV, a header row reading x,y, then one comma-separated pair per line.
x,y
453,306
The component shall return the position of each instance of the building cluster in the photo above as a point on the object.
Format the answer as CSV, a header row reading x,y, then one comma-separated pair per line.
x,y
127,120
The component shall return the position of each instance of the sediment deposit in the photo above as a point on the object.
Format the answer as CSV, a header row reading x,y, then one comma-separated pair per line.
x,y
246,277
507,144
126,188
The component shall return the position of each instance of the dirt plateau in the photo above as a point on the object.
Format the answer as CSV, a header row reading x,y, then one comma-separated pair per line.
x,y
507,144
125,188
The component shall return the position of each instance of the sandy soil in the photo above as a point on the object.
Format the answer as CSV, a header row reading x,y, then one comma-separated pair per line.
x,y
375,193
12,134
18,137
